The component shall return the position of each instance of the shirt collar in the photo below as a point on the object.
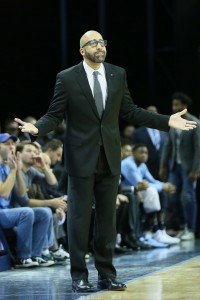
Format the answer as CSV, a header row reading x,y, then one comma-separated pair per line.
x,y
90,71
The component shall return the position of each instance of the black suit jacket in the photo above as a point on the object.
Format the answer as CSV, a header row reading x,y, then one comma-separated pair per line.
x,y
73,100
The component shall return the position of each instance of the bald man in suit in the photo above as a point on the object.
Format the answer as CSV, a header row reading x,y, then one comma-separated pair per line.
x,y
93,155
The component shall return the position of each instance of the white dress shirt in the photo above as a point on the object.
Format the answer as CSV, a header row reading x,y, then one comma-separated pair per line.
x,y
101,77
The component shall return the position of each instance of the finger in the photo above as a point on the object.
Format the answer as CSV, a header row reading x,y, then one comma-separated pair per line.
x,y
190,123
189,127
19,121
183,112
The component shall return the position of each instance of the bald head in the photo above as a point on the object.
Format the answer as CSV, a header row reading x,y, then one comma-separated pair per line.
x,y
88,36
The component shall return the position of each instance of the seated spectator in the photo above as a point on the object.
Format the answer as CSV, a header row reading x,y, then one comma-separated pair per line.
x,y
31,161
32,225
128,219
135,173
59,209
54,149
154,140
126,150
128,213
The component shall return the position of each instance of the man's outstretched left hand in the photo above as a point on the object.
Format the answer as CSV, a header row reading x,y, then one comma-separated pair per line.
x,y
176,121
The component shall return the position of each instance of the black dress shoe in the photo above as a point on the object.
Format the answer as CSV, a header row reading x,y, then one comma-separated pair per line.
x,y
110,284
82,286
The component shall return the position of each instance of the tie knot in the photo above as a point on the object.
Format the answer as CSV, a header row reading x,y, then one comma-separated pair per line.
x,y
95,73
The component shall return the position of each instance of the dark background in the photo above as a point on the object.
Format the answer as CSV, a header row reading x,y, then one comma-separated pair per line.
x,y
156,41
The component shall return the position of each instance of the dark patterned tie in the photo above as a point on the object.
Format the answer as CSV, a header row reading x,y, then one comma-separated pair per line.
x,y
98,97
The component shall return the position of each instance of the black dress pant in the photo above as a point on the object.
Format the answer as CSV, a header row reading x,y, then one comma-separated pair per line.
x,y
99,189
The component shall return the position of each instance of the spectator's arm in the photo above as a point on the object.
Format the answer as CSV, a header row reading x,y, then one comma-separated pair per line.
x,y
50,177
20,185
7,186
52,203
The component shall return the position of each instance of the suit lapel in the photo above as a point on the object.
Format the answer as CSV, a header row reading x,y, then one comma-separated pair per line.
x,y
109,78
83,82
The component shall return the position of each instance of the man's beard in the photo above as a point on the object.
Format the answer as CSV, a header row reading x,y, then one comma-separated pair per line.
x,y
96,58
29,163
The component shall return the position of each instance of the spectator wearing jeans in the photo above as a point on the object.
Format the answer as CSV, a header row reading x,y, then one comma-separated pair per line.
x,y
58,206
180,161
31,226
31,157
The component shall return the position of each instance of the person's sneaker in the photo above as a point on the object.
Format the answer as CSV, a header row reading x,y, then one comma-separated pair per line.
x,y
180,233
153,243
187,235
142,245
44,262
60,254
162,237
25,263
169,239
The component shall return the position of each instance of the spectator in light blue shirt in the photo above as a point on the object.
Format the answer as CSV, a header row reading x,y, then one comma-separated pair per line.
x,y
136,173
32,225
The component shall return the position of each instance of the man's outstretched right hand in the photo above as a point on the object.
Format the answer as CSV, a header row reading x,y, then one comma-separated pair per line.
x,y
27,127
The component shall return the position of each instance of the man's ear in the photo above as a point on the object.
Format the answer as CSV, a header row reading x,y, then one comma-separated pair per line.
x,y
81,51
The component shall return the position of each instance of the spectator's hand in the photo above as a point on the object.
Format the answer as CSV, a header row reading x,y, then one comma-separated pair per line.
x,y
27,127
169,188
142,185
59,203
12,161
18,161
176,121
39,161
60,213
123,198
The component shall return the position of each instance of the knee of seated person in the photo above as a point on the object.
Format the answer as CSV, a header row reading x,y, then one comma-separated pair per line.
x,y
48,212
151,192
27,212
44,212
